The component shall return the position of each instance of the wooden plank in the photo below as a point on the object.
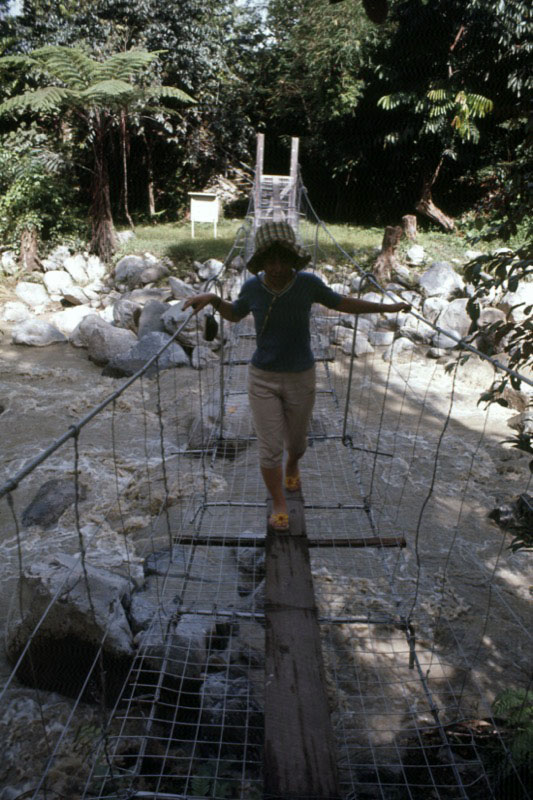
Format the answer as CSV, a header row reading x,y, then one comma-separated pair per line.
x,y
299,753
259,540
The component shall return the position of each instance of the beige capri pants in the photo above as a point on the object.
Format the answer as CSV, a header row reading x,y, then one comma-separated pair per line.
x,y
281,404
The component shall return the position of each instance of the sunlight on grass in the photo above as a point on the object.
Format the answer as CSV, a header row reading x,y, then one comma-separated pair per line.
x,y
174,241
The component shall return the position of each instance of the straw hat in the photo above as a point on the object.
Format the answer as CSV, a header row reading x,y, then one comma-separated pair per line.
x,y
280,234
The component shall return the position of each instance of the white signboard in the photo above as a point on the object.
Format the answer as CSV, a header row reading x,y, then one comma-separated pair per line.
x,y
204,208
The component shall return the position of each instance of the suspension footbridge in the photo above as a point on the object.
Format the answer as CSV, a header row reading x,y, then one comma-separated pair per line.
x,y
224,660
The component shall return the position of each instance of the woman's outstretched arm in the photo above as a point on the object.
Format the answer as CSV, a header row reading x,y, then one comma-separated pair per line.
x,y
199,301
353,305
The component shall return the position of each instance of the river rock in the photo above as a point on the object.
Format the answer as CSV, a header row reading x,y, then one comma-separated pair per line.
x,y
36,333
362,345
51,500
515,303
237,425
129,363
128,270
69,612
56,258
96,269
182,649
143,606
381,338
416,255
126,314
105,342
151,317
56,281
33,294
455,317
210,269
154,272
142,296
81,334
416,329
201,356
179,288
432,307
174,317
77,296
76,266
441,341
230,713
13,312
440,280
400,347
8,262
68,320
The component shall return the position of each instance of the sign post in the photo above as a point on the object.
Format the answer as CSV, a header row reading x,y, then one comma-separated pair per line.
x,y
204,208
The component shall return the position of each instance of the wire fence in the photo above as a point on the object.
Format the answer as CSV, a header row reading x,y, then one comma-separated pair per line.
x,y
136,624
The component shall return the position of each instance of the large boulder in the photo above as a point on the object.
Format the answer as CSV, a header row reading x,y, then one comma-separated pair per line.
x,y
33,294
105,342
130,362
68,320
174,318
76,266
514,303
36,333
151,318
180,289
81,334
455,317
137,271
432,307
50,501
129,269
126,314
68,611
13,312
96,270
441,280
57,281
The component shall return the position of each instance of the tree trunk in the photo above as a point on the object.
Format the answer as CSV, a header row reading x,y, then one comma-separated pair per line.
x,y
104,238
386,261
29,246
124,147
409,226
150,182
426,205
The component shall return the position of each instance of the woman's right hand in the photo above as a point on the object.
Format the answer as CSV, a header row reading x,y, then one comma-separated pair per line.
x,y
198,301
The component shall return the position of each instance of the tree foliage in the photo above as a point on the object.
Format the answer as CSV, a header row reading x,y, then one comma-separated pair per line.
x,y
91,92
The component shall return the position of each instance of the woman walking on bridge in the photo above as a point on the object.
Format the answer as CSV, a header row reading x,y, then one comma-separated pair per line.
x,y
281,377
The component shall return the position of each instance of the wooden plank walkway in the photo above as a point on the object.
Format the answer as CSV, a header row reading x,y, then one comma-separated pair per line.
x,y
299,752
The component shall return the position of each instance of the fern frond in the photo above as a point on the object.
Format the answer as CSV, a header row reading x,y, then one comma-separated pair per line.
x,y
165,92
110,91
122,66
16,61
70,65
41,100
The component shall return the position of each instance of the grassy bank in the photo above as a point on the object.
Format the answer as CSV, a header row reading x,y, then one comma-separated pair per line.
x,y
174,241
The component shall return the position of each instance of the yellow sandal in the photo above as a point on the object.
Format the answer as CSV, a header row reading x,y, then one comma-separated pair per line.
x,y
279,522
293,483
